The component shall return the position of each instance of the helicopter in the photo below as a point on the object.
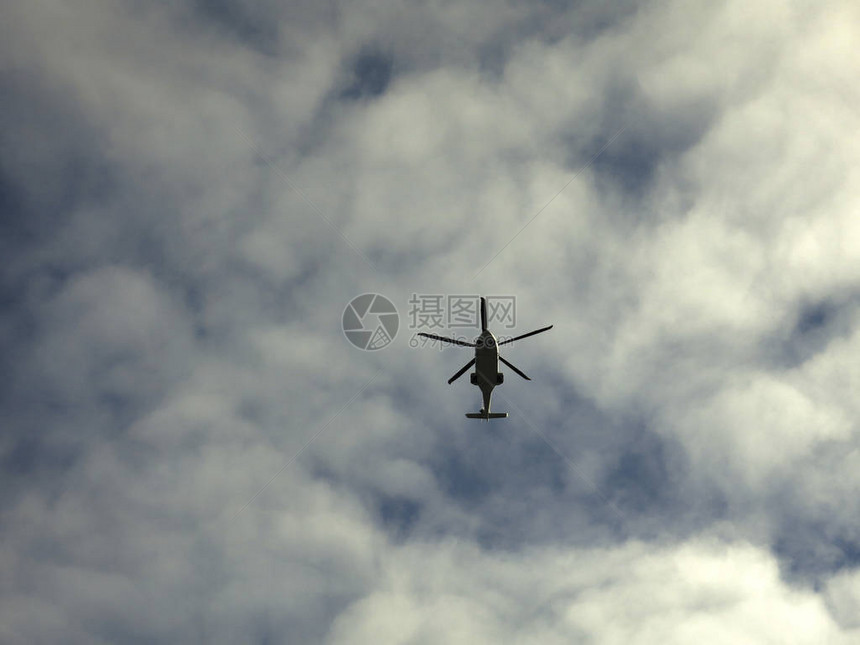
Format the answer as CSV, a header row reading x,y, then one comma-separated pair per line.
x,y
486,375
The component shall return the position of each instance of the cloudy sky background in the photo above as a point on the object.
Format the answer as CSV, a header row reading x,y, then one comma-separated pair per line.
x,y
191,192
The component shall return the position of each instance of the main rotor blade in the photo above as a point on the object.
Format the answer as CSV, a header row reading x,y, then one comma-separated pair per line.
x,y
483,313
454,341
461,372
515,369
531,333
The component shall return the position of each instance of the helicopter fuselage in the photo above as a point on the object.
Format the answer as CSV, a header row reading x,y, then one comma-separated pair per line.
x,y
486,375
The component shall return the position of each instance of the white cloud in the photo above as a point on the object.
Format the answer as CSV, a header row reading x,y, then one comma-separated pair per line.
x,y
703,590
172,297
843,598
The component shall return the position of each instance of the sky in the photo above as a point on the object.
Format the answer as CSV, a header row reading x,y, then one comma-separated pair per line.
x,y
192,192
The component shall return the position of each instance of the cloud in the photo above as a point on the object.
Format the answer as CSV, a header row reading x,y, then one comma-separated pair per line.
x,y
701,590
191,195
